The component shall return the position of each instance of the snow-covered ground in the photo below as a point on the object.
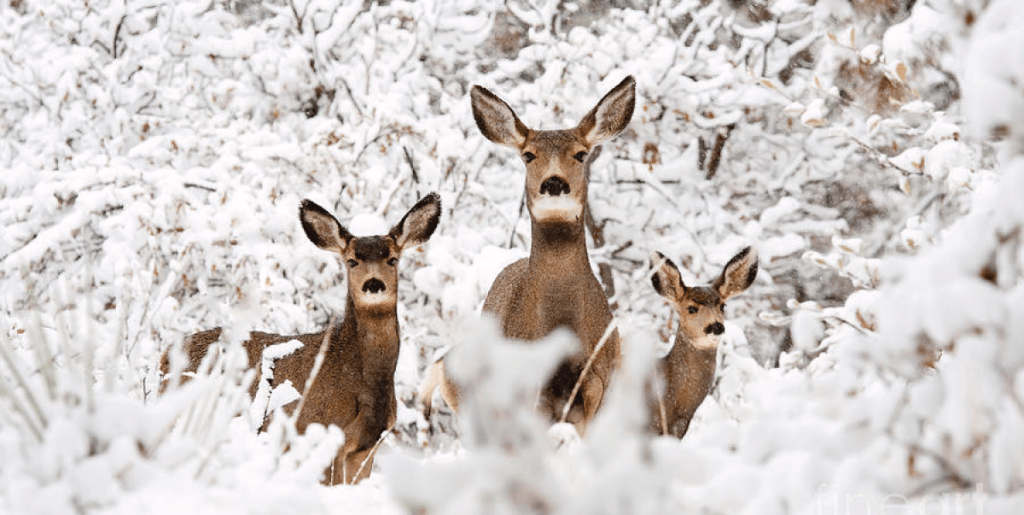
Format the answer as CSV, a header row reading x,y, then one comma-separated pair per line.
x,y
154,155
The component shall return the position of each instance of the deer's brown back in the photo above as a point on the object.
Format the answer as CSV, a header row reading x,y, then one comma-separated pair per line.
x,y
331,398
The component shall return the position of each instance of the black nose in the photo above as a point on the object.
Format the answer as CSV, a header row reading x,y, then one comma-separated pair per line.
x,y
374,286
554,186
715,328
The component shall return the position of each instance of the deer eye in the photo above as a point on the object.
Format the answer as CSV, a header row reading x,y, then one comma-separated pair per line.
x,y
692,310
722,306
580,156
392,261
528,156
352,263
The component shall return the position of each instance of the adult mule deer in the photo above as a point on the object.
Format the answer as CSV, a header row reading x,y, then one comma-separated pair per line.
x,y
353,386
687,373
555,285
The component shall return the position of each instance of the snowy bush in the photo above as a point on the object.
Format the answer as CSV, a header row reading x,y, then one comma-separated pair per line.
x,y
78,433
154,155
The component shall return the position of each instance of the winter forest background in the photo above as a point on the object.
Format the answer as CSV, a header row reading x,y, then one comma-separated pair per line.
x,y
154,154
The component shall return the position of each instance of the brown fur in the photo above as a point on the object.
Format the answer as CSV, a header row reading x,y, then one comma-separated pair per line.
x,y
687,373
354,388
555,286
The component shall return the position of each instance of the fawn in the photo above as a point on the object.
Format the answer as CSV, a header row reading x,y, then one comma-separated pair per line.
x,y
354,386
688,371
555,286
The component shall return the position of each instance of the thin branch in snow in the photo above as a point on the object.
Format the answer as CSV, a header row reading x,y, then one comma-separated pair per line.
x,y
117,34
298,17
373,451
317,364
512,231
412,166
34,409
612,326
10,393
200,186
351,97
716,151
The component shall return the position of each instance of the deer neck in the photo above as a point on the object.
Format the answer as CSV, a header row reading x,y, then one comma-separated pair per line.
x,y
559,249
374,335
689,368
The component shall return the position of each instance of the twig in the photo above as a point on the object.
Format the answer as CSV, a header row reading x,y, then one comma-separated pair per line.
x,y
702,153
947,466
372,453
9,393
317,363
117,34
880,157
659,187
38,99
620,249
298,18
375,139
716,151
597,232
412,166
641,181
200,186
391,196
512,233
879,244
661,409
612,326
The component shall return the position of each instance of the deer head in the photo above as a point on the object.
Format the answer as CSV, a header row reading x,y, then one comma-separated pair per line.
x,y
556,182
702,308
372,261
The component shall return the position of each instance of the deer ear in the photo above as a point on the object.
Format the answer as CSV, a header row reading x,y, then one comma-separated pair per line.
x,y
738,274
666,279
611,115
419,223
322,228
496,120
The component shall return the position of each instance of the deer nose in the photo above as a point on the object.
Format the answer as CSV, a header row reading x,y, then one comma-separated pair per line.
x,y
374,286
715,328
554,186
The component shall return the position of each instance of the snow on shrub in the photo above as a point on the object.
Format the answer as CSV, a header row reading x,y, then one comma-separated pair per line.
x,y
154,156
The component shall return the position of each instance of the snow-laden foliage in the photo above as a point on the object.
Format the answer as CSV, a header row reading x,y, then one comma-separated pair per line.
x,y
154,154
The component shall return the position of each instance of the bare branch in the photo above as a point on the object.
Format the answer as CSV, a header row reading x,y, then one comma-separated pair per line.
x,y
716,151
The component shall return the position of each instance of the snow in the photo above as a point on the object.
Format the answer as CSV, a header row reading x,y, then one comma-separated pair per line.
x,y
153,157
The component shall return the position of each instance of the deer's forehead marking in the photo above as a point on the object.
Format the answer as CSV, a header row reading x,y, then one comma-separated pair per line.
x,y
553,141
704,296
371,248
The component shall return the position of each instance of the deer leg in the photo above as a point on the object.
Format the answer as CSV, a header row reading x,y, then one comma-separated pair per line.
x,y
335,472
358,465
592,392
680,427
449,392
349,467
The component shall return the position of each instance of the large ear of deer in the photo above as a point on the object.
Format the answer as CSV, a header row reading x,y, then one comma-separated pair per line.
x,y
666,279
322,228
611,115
419,223
738,275
496,120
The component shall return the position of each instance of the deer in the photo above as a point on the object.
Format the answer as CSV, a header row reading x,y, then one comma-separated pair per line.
x,y
353,386
555,286
687,373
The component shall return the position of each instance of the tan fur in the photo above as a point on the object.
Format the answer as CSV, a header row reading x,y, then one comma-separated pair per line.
x,y
434,378
354,387
555,286
687,373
